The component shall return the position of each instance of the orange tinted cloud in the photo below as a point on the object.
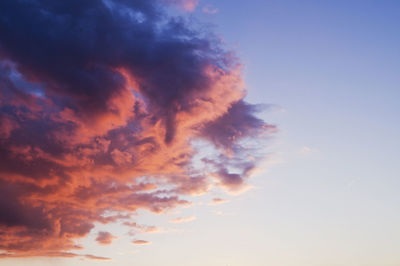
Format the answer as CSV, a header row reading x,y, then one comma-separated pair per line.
x,y
180,220
104,238
141,242
93,131
186,5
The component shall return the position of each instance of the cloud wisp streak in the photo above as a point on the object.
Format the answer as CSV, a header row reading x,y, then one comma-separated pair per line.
x,y
180,220
100,104
217,201
141,242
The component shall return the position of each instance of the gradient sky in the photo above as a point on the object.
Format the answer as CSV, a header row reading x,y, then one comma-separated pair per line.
x,y
327,191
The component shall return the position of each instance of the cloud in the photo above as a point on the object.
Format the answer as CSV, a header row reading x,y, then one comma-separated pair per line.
x,y
101,103
237,123
59,254
142,228
180,220
308,150
208,9
217,201
91,257
104,238
141,242
220,213
186,5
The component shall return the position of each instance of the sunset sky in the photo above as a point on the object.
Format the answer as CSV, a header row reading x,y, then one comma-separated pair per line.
x,y
193,133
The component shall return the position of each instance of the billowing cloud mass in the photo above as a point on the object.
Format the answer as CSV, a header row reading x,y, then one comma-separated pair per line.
x,y
102,107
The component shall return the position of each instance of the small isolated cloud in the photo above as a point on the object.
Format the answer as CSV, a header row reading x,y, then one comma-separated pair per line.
x,y
305,149
308,150
209,9
221,213
105,238
138,228
216,201
141,242
180,220
92,257
151,229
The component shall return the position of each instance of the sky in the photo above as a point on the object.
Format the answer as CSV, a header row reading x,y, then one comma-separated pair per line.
x,y
234,133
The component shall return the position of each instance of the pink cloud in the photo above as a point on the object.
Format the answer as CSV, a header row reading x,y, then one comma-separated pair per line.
x,y
217,201
186,5
141,242
208,9
104,238
95,131
180,220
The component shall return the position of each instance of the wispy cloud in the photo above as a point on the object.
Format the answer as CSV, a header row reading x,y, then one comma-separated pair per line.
x,y
186,5
217,201
209,9
141,242
142,228
180,220
307,150
91,257
50,254
221,213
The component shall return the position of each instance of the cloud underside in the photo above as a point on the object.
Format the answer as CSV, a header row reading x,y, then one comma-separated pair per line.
x,y
102,107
